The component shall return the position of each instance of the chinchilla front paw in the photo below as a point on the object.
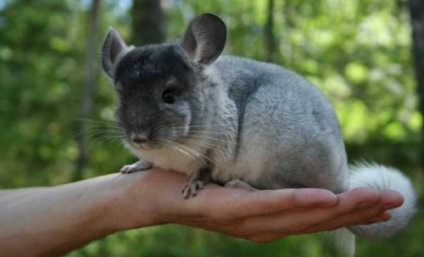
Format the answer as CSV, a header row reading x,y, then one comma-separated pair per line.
x,y
138,166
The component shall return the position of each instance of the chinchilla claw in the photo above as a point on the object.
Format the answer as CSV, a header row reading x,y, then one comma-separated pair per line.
x,y
190,189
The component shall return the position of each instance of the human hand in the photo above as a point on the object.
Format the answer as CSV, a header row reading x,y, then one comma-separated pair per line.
x,y
259,216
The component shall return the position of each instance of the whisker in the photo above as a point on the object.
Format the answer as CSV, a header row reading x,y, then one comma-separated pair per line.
x,y
181,149
189,151
199,154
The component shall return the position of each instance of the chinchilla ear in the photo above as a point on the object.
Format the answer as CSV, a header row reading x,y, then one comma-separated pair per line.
x,y
205,38
114,47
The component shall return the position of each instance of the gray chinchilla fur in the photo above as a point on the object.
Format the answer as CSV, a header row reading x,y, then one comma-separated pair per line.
x,y
216,118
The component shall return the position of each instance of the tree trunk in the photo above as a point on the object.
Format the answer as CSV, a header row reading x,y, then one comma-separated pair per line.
x,y
269,32
416,9
148,22
88,94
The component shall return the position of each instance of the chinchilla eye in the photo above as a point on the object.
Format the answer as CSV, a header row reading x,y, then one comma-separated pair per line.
x,y
168,97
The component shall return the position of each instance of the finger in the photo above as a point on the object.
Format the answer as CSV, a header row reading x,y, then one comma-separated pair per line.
x,y
354,207
267,236
295,223
377,212
359,217
263,237
340,214
235,202
358,197
367,211
271,201
353,219
391,199
299,220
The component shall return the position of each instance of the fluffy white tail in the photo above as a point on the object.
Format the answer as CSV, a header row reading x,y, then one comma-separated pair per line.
x,y
380,178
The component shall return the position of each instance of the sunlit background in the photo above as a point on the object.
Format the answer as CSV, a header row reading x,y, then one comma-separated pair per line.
x,y
57,106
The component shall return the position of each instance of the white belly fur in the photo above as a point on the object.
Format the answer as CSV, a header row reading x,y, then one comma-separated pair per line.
x,y
168,158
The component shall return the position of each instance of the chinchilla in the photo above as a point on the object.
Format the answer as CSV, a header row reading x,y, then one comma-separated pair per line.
x,y
183,107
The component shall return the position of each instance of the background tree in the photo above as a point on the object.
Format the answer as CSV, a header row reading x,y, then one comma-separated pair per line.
x,y
148,22
269,32
416,9
91,72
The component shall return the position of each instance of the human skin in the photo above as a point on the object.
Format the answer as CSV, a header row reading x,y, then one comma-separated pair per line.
x,y
50,221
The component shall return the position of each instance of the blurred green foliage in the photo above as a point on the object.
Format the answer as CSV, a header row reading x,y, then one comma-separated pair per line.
x,y
357,52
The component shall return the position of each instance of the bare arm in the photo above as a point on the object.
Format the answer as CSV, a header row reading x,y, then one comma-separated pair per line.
x,y
54,220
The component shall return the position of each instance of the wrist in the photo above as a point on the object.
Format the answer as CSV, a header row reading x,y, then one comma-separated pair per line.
x,y
147,198
131,201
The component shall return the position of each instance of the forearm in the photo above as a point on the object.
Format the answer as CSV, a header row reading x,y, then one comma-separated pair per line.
x,y
10,195
52,221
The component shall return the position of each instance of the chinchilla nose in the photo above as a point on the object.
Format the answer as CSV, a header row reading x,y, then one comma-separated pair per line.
x,y
139,139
